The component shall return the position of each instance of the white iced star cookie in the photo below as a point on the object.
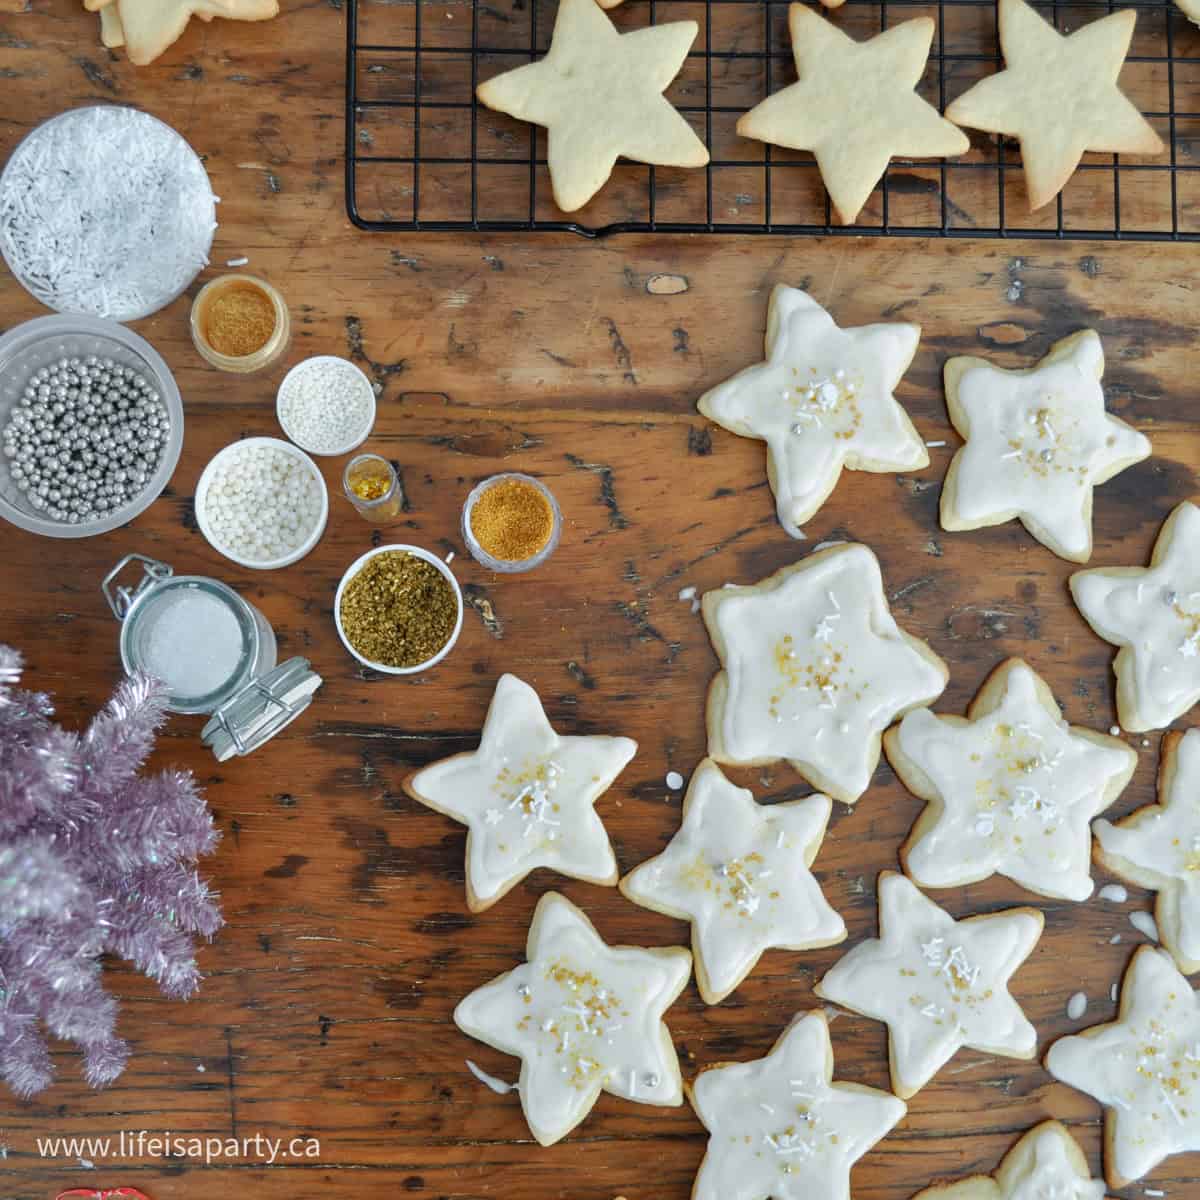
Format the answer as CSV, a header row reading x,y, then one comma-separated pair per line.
x,y
854,105
1153,615
739,871
814,669
1038,442
1159,847
821,401
1144,1068
939,984
583,1017
526,796
599,95
778,1126
1046,1164
1011,790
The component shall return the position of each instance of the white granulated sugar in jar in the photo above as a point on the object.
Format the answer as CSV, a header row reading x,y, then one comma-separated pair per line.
x,y
261,503
326,405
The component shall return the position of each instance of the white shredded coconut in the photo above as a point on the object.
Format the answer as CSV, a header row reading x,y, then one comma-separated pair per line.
x,y
1115,892
1076,1006
237,262
687,593
1143,922
107,211
935,445
1112,993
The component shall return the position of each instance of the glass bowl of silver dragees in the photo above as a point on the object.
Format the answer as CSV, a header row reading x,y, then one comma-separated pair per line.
x,y
91,425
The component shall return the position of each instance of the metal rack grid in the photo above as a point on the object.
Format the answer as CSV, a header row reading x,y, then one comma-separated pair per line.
x,y
422,154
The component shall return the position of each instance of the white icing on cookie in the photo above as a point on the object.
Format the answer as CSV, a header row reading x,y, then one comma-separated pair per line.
x,y
1045,1164
583,1017
739,872
1038,442
1153,615
1144,1067
821,401
815,668
1017,789
526,796
779,1127
1159,846
939,984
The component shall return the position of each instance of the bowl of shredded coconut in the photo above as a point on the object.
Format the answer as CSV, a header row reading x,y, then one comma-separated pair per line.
x,y
105,211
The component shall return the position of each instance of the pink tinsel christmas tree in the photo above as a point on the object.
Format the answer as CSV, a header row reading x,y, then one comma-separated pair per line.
x,y
95,858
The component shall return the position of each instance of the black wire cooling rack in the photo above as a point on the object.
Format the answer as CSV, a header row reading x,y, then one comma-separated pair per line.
x,y
422,154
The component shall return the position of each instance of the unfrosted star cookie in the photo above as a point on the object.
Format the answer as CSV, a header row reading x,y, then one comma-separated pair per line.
x,y
1046,1164
1038,441
814,669
1159,847
1144,1068
939,984
526,796
599,95
854,106
822,400
1011,790
739,871
778,1126
583,1017
1059,96
1153,615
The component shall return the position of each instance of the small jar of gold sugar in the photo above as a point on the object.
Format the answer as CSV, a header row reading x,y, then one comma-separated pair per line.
x,y
240,323
511,523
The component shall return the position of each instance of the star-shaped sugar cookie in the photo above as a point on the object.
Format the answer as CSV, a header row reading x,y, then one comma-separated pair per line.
x,y
1038,441
583,1017
1144,1068
1153,615
599,95
813,669
526,796
1046,1164
939,984
739,871
1010,791
1159,847
822,400
1058,95
854,106
147,27
778,1126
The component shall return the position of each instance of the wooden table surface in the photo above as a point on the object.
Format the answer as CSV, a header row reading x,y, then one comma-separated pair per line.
x,y
326,1008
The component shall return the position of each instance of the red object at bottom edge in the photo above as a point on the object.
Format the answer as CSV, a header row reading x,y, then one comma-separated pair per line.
x,y
102,1194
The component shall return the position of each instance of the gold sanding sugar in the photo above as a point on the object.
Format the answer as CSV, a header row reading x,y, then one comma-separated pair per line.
x,y
240,321
512,520
399,610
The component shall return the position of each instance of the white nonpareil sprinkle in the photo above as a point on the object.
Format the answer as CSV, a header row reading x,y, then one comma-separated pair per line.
x,y
1116,892
497,1085
674,780
687,593
1076,1006
237,262
1112,941
1143,922
1115,730
450,558
107,211
261,502
326,405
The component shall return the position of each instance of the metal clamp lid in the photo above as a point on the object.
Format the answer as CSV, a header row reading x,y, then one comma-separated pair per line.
x,y
120,598
260,709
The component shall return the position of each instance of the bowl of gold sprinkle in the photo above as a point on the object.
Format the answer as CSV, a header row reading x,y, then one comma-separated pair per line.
x,y
398,609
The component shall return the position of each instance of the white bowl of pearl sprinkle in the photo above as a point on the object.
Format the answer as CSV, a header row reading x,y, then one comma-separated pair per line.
x,y
262,503
326,405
